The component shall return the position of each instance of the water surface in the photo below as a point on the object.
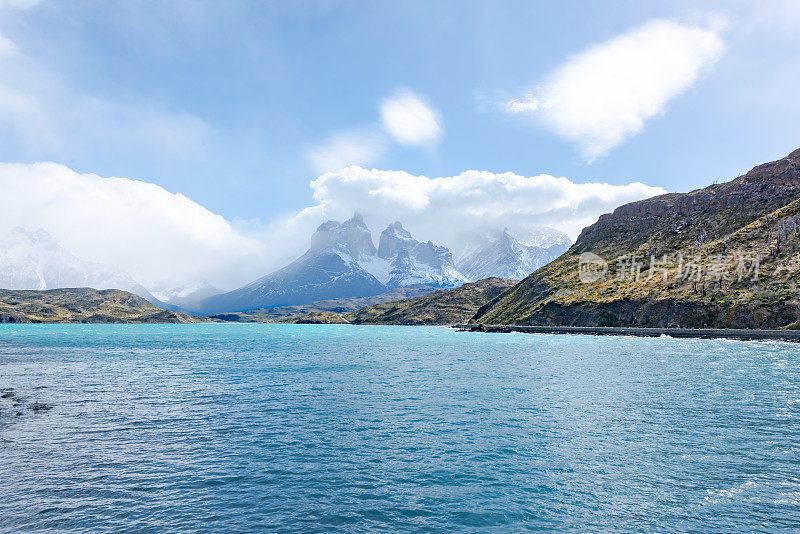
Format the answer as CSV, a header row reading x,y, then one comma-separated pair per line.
x,y
321,428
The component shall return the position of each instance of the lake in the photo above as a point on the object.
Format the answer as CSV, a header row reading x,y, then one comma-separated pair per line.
x,y
339,428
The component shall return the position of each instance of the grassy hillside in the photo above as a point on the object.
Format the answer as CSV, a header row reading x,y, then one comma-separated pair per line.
x,y
339,306
82,305
442,307
724,256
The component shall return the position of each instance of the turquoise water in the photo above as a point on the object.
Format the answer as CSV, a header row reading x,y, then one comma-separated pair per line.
x,y
293,428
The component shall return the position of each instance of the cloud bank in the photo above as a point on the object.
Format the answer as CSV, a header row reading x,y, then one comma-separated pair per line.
x,y
604,95
154,235
165,239
447,208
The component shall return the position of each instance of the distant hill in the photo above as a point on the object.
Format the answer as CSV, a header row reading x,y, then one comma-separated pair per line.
x,y
317,317
725,256
33,259
82,305
336,306
452,306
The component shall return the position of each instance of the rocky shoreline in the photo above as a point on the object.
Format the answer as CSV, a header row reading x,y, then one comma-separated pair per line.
x,y
701,333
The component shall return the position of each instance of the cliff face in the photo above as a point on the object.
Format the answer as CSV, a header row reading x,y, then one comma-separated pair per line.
x,y
727,255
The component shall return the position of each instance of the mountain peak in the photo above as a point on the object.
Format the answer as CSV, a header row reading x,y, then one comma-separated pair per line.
x,y
356,220
351,237
394,238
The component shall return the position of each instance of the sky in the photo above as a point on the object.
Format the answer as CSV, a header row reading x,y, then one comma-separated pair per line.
x,y
234,128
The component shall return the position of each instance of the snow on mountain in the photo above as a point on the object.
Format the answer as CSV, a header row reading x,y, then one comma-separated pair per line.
x,y
343,262
34,260
506,255
351,238
412,262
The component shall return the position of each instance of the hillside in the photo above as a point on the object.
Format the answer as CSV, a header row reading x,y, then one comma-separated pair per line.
x,y
442,307
82,305
334,306
725,256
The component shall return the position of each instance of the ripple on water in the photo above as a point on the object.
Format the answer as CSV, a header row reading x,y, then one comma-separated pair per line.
x,y
314,428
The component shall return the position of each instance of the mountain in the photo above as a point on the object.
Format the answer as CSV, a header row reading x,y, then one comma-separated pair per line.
x,y
412,262
452,306
35,260
187,296
505,255
82,305
343,262
724,256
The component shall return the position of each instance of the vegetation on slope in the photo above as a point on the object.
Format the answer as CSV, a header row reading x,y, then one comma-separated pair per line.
x,y
725,256
82,305
453,306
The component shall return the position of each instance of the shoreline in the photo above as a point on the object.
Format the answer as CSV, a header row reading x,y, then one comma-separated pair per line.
x,y
697,333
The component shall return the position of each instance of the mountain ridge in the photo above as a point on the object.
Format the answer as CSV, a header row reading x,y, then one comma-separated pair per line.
x,y
727,255
343,262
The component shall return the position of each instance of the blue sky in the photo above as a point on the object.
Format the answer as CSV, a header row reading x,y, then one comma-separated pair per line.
x,y
227,102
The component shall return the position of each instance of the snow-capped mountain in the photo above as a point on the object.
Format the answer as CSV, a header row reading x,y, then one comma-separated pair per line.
x,y
188,295
412,262
343,262
513,256
35,260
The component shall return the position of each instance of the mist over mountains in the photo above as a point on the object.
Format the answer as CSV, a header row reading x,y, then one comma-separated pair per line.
x,y
33,259
510,255
342,261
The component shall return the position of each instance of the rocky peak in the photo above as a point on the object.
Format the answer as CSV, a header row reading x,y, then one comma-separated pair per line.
x,y
351,237
393,238
434,255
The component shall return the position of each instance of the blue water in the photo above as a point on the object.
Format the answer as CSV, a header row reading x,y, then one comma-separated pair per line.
x,y
292,428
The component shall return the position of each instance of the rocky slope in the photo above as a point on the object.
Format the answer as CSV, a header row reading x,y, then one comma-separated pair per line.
x,y
510,255
82,305
452,306
343,262
724,256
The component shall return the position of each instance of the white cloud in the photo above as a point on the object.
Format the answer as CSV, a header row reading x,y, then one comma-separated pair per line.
x,y
409,120
605,94
141,228
165,239
344,148
405,117
444,209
